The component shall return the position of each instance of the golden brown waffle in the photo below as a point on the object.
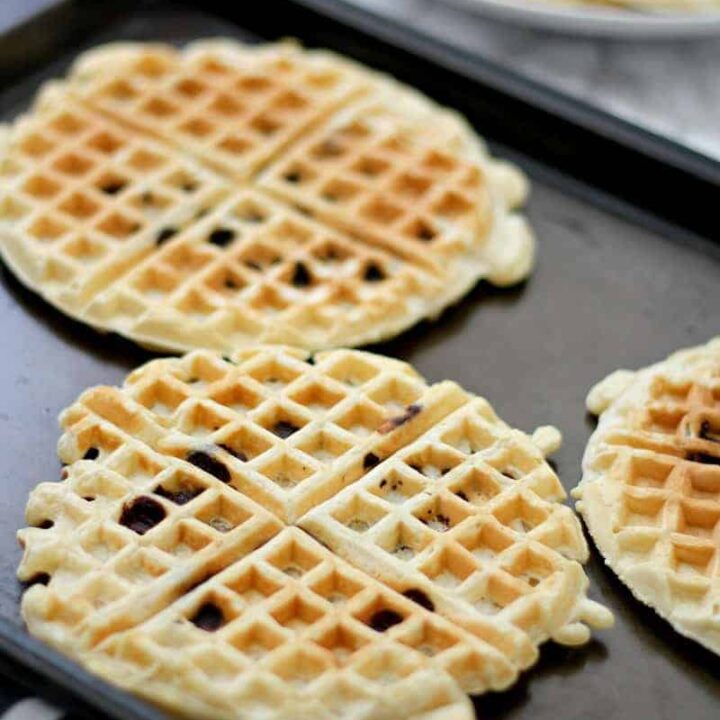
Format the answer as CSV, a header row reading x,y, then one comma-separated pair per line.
x,y
181,476
281,278
288,434
650,492
469,514
290,628
153,194
231,106
83,200
377,176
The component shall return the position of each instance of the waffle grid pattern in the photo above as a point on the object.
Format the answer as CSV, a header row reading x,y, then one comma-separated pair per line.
x,y
140,195
230,106
176,482
294,611
85,199
654,463
282,278
290,434
469,513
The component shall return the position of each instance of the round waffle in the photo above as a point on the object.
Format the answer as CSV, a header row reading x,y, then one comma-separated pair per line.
x,y
273,531
226,195
650,492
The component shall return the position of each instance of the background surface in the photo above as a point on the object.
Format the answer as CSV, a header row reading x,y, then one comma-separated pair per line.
x,y
671,87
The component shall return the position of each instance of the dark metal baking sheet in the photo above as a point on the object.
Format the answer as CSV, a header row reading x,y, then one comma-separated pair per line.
x,y
616,285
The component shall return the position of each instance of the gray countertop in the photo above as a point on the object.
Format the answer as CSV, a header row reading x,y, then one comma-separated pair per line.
x,y
671,87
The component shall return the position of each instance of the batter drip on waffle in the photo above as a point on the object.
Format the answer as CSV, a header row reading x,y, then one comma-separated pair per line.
x,y
650,492
225,195
326,524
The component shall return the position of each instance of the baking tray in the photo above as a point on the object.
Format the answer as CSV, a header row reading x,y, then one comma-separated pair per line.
x,y
628,270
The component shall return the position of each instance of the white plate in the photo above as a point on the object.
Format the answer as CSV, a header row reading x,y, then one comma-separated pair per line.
x,y
606,21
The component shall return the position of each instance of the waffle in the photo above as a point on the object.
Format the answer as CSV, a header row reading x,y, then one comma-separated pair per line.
x,y
650,492
229,106
157,193
287,434
292,630
404,184
285,278
250,492
469,513
83,200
